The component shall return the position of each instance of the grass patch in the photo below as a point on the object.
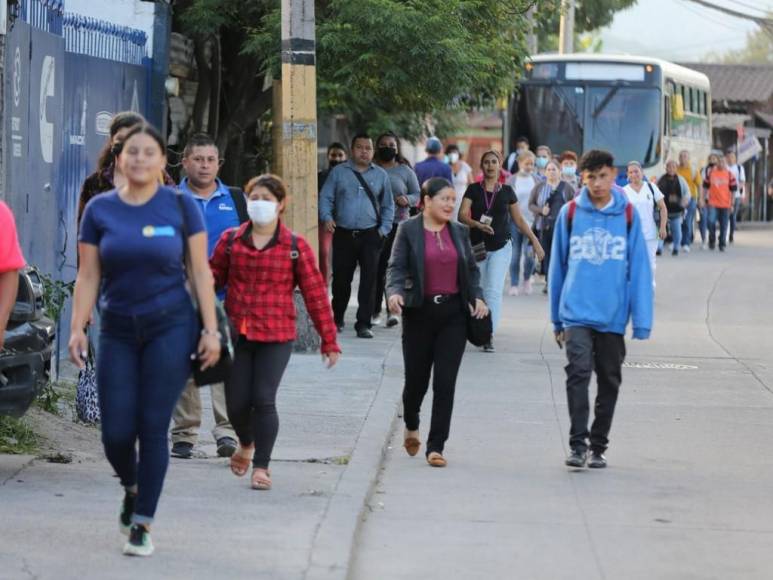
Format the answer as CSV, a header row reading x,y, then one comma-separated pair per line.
x,y
16,436
57,397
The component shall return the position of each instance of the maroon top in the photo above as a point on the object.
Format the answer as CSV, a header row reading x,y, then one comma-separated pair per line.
x,y
440,263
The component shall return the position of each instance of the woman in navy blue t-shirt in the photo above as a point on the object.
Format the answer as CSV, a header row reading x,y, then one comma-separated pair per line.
x,y
132,255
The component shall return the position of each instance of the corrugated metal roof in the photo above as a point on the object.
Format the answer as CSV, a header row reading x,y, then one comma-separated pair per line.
x,y
737,82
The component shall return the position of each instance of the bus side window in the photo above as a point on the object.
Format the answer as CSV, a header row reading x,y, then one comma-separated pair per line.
x,y
667,115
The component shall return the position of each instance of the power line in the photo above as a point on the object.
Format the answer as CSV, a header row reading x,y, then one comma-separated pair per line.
x,y
766,9
686,6
764,22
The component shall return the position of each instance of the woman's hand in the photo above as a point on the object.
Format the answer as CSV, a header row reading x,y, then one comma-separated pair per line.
x,y
539,251
403,201
208,351
396,304
546,210
79,348
663,233
330,359
480,310
486,229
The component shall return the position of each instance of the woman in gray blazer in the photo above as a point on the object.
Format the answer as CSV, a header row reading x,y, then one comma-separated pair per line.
x,y
434,282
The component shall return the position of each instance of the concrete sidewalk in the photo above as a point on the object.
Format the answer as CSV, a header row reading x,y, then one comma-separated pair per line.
x,y
688,490
60,521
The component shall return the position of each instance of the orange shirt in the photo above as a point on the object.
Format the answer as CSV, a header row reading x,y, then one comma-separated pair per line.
x,y
721,182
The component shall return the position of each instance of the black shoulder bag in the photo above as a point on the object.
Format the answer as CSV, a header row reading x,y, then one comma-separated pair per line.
x,y
222,370
237,196
371,197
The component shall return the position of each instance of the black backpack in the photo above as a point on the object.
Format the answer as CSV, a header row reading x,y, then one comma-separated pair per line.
x,y
240,202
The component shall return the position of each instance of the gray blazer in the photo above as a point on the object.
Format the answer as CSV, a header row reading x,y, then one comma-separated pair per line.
x,y
405,275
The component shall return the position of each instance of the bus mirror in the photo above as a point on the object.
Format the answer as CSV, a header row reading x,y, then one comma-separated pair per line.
x,y
677,108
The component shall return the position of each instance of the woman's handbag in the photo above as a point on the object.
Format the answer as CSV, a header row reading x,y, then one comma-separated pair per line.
x,y
479,330
222,370
86,397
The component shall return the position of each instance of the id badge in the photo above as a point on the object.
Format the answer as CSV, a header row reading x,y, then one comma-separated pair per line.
x,y
486,220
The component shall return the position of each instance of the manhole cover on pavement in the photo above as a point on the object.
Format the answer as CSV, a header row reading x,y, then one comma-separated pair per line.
x,y
659,365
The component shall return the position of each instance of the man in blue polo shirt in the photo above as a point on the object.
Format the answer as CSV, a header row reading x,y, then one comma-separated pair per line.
x,y
223,208
433,165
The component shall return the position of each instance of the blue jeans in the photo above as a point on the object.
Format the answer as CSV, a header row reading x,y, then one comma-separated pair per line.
x,y
143,365
675,224
521,245
734,215
688,225
704,225
492,279
721,214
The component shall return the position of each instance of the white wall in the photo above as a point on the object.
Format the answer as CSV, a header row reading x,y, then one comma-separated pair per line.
x,y
131,13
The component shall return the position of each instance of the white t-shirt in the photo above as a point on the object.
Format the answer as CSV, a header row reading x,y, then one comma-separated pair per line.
x,y
461,180
645,205
740,175
523,186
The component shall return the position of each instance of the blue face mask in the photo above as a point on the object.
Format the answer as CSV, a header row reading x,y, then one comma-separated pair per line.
x,y
542,162
569,170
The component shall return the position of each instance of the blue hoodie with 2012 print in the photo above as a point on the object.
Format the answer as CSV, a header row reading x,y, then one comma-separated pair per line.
x,y
600,277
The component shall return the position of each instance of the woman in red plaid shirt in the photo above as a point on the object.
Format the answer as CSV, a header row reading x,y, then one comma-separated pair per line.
x,y
260,263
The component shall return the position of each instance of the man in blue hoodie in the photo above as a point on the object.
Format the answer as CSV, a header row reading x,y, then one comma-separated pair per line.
x,y
600,277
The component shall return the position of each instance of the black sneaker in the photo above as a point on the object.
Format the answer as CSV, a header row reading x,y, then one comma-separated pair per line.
x,y
576,458
674,252
139,543
392,321
127,509
340,326
659,252
711,246
364,333
182,449
489,346
597,460
226,446
721,248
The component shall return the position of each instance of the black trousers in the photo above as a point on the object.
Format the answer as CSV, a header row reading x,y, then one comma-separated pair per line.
x,y
250,394
350,249
434,337
546,240
588,350
383,263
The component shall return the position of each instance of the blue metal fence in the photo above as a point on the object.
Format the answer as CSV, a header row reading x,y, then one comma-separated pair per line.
x,y
100,39
41,14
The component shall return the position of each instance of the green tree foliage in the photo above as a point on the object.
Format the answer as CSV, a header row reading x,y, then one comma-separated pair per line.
x,y
399,59
589,15
758,49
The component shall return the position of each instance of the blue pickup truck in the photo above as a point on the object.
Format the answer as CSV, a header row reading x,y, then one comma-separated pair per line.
x,y
25,359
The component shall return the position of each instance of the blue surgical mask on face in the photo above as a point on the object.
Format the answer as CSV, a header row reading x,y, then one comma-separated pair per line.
x,y
542,162
569,170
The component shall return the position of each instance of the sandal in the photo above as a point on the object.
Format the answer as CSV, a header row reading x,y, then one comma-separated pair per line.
x,y
260,481
435,459
411,444
240,464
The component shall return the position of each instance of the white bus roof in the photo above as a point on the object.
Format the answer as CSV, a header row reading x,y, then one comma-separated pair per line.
x,y
669,68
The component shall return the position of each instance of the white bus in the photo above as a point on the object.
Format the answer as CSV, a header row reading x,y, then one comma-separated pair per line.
x,y
638,108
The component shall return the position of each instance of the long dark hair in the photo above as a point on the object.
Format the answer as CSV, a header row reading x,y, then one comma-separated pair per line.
x,y
144,129
122,120
400,159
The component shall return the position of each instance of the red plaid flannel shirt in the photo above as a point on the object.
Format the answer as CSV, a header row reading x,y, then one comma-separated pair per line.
x,y
260,285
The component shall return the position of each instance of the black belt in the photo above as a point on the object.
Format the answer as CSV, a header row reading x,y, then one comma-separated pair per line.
x,y
355,233
441,298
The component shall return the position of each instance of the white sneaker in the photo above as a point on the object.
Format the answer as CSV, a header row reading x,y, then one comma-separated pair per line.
x,y
514,291
527,287
139,543
686,249
703,245
376,320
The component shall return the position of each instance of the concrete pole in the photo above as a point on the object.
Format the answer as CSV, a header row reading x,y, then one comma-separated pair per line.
x,y
295,131
566,29
298,160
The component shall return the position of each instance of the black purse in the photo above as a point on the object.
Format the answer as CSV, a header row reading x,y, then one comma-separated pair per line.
x,y
479,330
222,370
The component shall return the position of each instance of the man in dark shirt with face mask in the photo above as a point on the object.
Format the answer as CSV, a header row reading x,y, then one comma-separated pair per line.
x,y
336,154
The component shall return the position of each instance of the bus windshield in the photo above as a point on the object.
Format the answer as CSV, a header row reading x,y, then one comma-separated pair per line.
x,y
623,120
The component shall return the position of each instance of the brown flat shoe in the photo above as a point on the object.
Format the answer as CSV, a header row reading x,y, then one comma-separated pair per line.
x,y
261,479
435,459
412,445
240,464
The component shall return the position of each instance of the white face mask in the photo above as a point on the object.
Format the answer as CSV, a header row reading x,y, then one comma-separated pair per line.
x,y
261,211
453,157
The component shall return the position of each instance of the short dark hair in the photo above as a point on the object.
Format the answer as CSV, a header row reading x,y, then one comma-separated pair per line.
x,y
122,120
521,139
453,147
362,135
271,182
336,145
198,140
433,186
145,129
595,159
568,155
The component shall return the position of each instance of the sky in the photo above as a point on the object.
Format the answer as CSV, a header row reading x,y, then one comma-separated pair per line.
x,y
679,30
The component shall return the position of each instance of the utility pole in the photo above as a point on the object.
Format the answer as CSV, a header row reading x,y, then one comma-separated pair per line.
x,y
566,29
297,136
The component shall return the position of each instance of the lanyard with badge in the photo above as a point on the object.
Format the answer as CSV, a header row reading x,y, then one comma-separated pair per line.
x,y
488,203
